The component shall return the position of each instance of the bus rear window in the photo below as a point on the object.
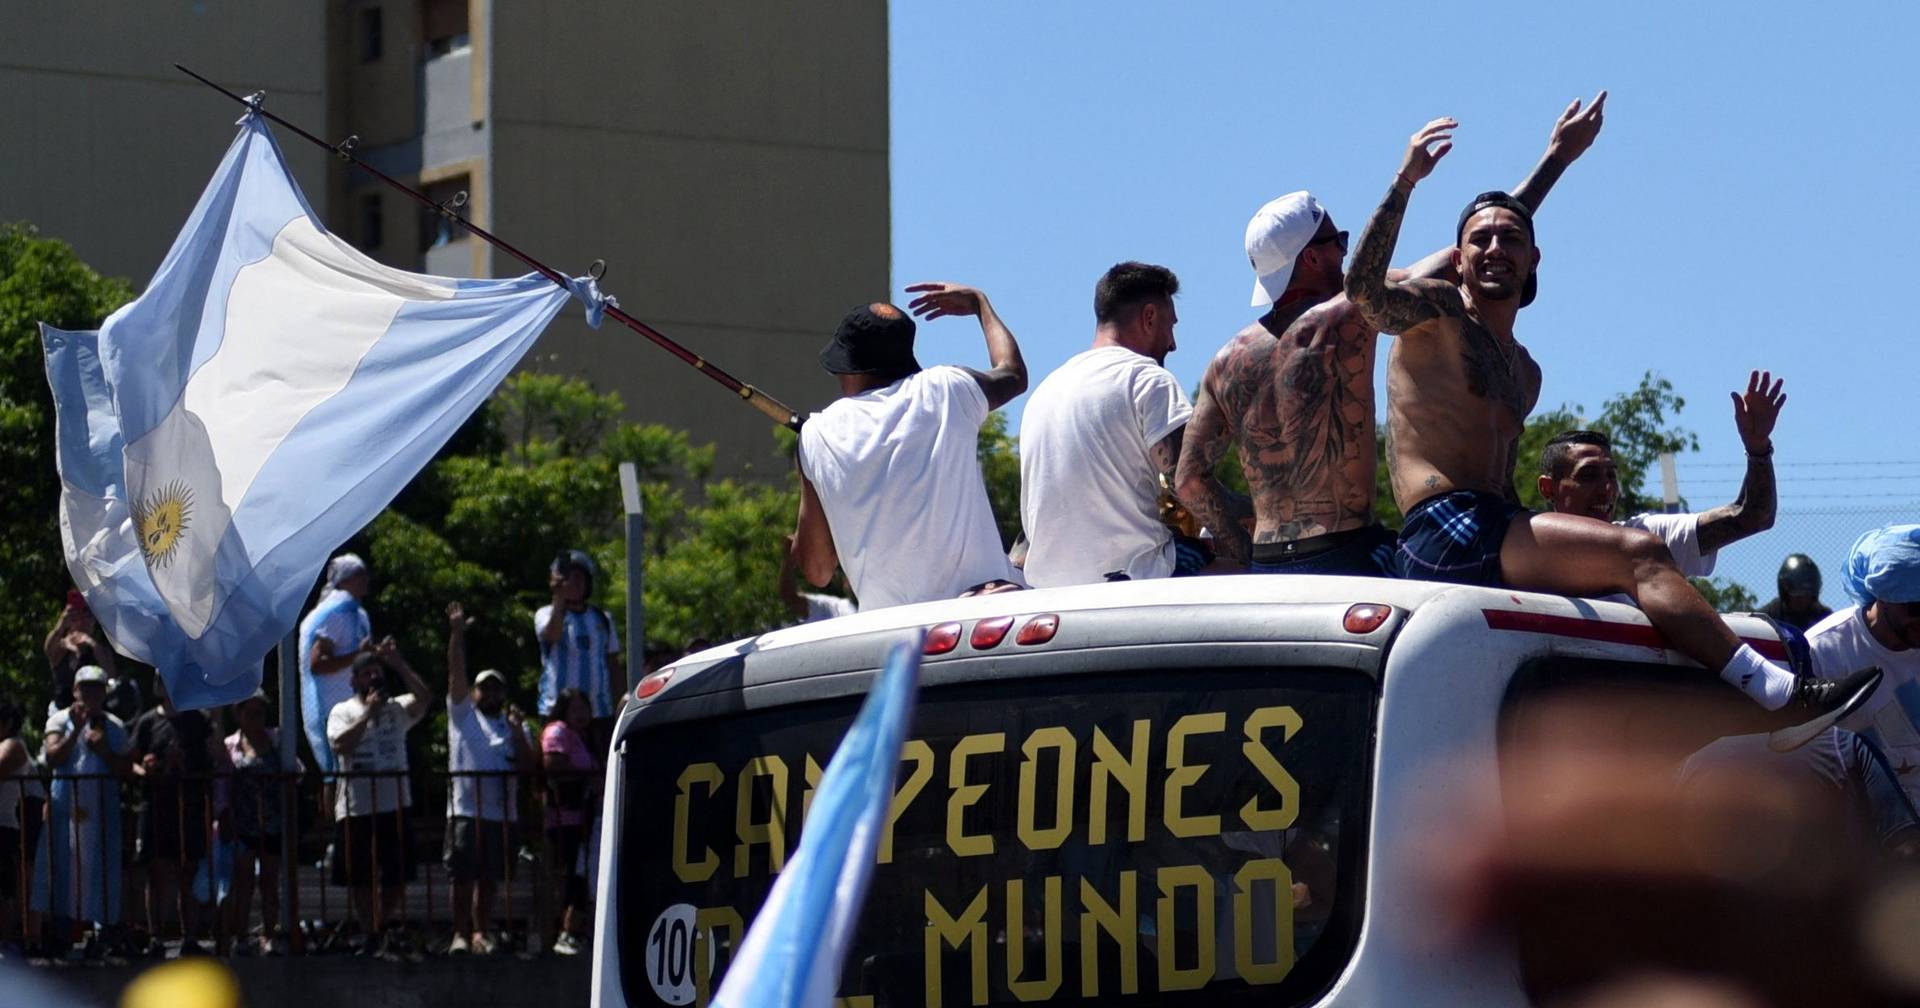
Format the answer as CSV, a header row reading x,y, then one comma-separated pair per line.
x,y
1175,837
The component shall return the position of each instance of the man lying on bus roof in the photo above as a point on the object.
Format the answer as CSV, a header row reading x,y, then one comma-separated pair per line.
x,y
1578,476
1459,388
890,484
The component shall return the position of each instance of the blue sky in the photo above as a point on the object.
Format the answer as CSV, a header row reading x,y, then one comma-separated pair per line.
x,y
1750,202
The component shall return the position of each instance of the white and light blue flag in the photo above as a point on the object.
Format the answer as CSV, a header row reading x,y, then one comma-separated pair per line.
x,y
791,956
270,392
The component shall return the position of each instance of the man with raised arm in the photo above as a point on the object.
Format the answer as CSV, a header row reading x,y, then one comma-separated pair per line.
x,y
890,484
1459,388
1577,476
1295,388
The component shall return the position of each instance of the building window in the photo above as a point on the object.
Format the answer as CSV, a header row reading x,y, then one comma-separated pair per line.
x,y
443,26
436,230
370,35
372,223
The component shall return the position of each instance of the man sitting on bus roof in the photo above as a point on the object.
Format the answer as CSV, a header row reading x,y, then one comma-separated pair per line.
x,y
1459,388
1883,629
1099,438
890,484
1577,476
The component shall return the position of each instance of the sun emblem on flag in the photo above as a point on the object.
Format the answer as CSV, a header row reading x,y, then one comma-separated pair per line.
x,y
162,521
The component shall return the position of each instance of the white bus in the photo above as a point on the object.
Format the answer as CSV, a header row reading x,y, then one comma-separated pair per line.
x,y
1178,792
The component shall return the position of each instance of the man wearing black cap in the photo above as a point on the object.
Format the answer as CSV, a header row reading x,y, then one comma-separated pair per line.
x,y
1459,388
890,486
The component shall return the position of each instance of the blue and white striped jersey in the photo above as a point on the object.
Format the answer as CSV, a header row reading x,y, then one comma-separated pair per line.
x,y
578,659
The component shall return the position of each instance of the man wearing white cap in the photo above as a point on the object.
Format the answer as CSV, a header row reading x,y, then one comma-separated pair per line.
x,y
1296,389
485,744
1883,629
333,634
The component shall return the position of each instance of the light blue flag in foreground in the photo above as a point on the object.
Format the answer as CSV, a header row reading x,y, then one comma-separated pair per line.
x,y
271,391
792,954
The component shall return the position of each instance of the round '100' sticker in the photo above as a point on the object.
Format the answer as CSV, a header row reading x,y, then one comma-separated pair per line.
x,y
669,954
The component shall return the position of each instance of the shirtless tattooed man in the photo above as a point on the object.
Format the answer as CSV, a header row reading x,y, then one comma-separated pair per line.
x,y
1459,388
1296,389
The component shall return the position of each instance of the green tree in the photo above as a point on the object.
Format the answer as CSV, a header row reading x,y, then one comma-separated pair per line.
x,y
41,280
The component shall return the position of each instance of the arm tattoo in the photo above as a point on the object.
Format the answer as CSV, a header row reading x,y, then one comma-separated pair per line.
x,y
1388,306
1165,454
1203,442
1750,513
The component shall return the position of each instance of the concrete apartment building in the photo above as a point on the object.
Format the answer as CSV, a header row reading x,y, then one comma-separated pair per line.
x,y
729,161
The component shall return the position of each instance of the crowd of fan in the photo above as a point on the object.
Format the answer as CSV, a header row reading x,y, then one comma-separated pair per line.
x,y
213,793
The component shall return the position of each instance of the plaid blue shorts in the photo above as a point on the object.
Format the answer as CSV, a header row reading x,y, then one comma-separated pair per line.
x,y
1454,537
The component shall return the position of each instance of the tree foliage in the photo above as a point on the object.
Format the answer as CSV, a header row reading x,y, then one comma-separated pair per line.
x,y
41,280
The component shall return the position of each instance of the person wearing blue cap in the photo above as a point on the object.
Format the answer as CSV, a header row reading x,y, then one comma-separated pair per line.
x,y
1882,628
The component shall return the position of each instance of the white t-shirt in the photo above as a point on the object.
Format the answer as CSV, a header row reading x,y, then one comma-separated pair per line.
x,y
1089,491
481,743
1681,533
1841,644
383,746
897,470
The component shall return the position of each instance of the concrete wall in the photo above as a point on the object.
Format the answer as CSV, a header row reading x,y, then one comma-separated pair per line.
x,y
105,146
729,161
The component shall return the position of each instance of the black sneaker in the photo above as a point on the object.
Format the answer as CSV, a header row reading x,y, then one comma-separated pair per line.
x,y
1822,703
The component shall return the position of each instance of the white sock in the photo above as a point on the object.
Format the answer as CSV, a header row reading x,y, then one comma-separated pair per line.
x,y
1770,685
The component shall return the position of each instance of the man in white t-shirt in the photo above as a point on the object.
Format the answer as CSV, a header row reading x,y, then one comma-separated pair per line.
x,y
1099,436
808,607
890,484
1883,576
486,743
1578,476
368,734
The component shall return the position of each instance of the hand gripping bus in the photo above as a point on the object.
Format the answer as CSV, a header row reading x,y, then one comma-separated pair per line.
x,y
1202,791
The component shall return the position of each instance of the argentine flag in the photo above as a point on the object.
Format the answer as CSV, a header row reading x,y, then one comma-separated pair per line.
x,y
792,954
271,391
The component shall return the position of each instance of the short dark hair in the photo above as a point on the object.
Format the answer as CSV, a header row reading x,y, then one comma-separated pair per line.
x,y
1129,285
1556,459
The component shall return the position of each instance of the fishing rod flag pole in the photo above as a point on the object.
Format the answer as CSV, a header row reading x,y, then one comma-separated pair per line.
x,y
776,410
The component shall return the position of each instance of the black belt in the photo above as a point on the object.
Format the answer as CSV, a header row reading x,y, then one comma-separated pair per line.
x,y
1300,549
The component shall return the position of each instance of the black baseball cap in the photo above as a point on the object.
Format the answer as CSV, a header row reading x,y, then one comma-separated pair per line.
x,y
1505,201
874,339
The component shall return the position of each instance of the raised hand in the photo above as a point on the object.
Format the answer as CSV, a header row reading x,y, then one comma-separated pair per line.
x,y
1426,148
457,619
1755,413
939,300
1573,133
387,648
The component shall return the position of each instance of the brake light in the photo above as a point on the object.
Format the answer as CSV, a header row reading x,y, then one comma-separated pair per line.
x,y
1039,629
942,639
1366,617
988,633
652,683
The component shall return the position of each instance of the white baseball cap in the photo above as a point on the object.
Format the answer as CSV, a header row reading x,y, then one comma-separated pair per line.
x,y
89,673
489,675
1275,236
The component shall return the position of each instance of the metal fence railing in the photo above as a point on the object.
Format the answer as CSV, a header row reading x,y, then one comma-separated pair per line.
x,y
94,849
